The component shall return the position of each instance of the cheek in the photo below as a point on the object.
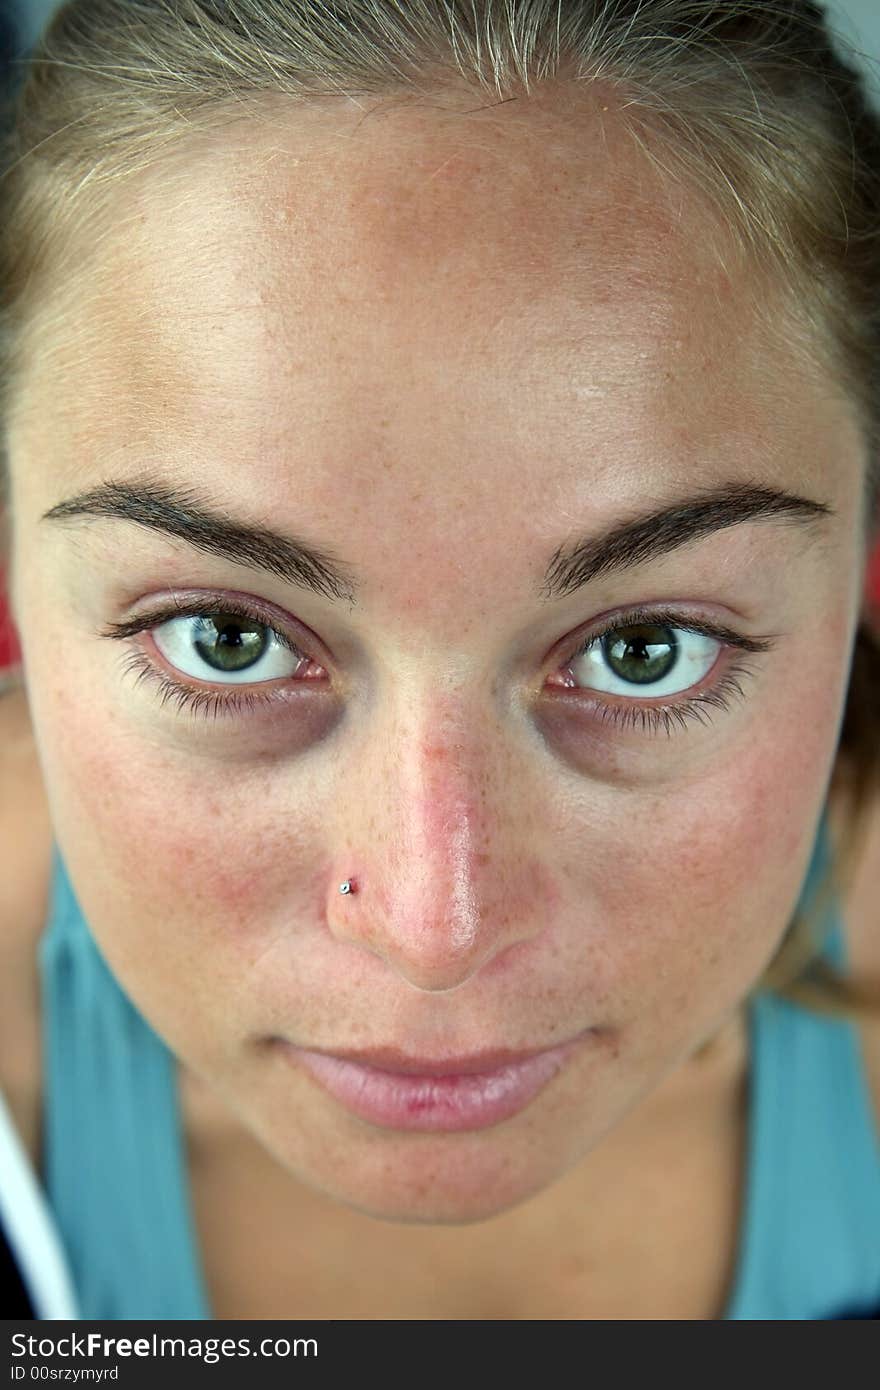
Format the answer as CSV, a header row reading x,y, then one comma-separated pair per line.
x,y
700,885
187,871
689,872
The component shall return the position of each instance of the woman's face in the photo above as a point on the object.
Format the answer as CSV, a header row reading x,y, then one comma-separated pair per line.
x,y
441,351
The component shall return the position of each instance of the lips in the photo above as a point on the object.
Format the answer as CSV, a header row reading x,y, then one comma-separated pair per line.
x,y
417,1093
391,1059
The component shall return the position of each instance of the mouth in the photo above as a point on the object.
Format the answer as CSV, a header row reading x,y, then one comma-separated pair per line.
x,y
395,1090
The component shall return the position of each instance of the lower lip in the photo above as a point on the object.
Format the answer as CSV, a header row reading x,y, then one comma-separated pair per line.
x,y
394,1100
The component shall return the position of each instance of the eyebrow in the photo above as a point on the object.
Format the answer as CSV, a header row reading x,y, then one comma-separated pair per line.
x,y
183,513
636,540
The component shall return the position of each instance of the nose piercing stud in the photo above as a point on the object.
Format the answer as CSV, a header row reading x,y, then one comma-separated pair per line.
x,y
346,887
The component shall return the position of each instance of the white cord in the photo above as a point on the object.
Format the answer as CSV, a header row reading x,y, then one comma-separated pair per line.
x,y
30,1228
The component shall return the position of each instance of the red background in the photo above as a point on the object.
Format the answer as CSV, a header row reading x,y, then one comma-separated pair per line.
x,y
10,652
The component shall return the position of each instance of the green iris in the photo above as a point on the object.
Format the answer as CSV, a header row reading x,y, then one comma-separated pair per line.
x,y
642,653
231,646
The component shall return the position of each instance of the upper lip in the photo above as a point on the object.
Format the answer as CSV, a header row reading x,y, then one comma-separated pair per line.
x,y
394,1060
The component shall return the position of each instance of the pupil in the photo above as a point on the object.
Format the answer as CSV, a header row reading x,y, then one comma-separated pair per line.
x,y
225,639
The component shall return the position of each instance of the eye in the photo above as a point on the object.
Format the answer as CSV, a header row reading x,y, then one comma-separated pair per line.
x,y
233,645
651,658
641,653
659,655
227,647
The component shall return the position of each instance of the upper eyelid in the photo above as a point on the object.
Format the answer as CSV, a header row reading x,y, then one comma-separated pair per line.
x,y
167,610
681,621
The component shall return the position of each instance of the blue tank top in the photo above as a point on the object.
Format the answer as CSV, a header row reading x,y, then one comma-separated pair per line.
x,y
117,1180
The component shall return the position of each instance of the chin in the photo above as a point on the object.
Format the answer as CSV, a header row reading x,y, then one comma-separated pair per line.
x,y
450,1180
436,1208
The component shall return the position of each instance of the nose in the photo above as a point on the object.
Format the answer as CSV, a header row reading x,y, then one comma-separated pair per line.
x,y
444,882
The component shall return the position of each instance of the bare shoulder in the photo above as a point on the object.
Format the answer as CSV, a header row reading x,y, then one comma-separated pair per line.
x,y
25,869
25,826
861,926
860,904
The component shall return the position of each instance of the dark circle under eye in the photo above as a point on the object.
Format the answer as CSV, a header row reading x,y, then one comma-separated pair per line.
x,y
232,645
642,653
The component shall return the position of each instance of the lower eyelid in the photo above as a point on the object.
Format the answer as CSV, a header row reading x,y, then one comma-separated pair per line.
x,y
219,700
648,720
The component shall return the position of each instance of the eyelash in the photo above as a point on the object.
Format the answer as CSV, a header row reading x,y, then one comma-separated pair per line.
x,y
214,702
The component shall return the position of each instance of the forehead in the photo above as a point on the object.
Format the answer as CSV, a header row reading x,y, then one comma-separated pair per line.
x,y
332,286
346,225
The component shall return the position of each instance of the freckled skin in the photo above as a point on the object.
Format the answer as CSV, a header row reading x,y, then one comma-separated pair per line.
x,y
436,347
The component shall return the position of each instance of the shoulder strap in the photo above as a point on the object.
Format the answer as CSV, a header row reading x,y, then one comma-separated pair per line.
x,y
115,1169
810,1238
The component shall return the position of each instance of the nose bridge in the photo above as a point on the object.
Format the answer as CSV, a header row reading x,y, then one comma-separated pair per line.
x,y
434,897
443,830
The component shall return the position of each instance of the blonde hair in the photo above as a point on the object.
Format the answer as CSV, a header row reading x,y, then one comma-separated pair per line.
x,y
745,101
